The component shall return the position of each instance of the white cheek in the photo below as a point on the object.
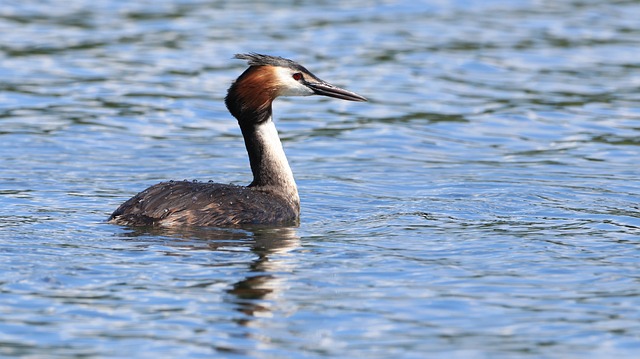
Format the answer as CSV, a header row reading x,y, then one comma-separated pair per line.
x,y
291,87
298,90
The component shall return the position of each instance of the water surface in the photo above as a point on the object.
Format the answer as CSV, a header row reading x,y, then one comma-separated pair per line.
x,y
484,204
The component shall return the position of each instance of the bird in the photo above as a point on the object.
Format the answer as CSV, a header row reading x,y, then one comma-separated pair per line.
x,y
272,197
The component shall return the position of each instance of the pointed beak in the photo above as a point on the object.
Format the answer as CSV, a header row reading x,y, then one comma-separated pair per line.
x,y
327,89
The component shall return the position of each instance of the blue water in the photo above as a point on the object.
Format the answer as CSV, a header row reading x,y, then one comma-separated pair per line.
x,y
484,204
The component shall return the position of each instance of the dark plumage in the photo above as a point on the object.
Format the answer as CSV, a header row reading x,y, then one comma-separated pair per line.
x,y
204,204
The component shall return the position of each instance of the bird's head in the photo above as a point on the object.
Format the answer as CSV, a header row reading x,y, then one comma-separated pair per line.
x,y
269,77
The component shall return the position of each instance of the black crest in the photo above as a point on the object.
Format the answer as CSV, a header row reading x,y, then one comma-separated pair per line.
x,y
266,60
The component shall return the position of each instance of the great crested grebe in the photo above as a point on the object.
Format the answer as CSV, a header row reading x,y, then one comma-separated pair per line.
x,y
272,197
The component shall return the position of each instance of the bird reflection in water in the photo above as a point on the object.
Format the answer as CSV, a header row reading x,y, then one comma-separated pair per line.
x,y
256,294
261,284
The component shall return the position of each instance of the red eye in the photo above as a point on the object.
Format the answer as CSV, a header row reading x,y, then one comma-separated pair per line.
x,y
297,76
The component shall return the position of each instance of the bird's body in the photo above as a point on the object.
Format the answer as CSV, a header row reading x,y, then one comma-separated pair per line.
x,y
205,204
272,197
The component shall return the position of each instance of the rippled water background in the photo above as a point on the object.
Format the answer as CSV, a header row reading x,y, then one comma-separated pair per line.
x,y
485,203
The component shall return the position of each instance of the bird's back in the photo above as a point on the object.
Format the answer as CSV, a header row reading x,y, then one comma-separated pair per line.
x,y
177,203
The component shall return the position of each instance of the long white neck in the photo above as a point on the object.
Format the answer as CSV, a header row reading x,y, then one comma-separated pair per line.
x,y
271,171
